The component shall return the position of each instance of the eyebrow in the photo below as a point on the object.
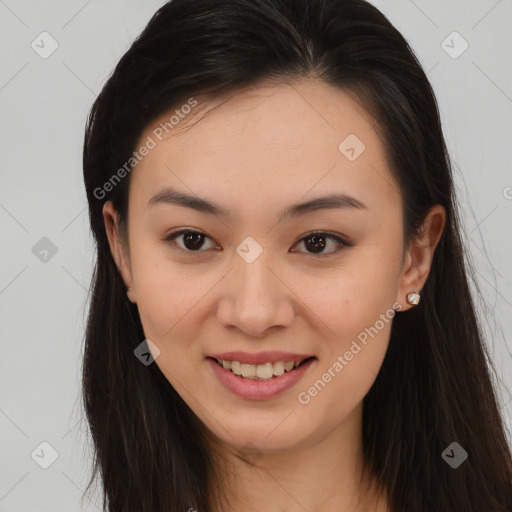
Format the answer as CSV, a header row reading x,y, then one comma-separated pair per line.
x,y
172,196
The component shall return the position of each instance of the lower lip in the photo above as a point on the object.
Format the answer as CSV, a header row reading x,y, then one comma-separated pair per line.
x,y
258,389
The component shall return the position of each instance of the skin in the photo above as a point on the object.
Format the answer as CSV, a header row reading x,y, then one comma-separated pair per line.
x,y
257,152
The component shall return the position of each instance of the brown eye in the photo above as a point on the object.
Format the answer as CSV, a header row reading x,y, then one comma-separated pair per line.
x,y
192,241
316,242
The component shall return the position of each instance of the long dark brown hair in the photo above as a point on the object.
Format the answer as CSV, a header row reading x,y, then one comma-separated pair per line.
x,y
434,387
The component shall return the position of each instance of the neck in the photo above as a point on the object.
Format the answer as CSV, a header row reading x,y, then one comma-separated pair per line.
x,y
320,474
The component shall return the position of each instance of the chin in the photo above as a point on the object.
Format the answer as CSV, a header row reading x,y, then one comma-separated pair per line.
x,y
259,435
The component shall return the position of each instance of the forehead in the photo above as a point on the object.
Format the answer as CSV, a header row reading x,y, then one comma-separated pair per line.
x,y
274,143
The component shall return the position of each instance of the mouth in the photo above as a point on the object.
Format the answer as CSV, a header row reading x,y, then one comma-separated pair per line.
x,y
261,372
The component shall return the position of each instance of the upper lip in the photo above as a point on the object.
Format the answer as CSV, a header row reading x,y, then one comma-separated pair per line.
x,y
259,357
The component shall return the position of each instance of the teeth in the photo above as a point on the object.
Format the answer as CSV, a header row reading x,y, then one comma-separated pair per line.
x,y
278,368
264,371
260,371
248,371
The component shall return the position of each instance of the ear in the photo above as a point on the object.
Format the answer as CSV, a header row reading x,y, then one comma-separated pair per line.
x,y
419,255
118,247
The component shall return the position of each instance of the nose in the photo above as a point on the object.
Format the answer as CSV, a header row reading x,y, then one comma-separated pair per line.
x,y
255,299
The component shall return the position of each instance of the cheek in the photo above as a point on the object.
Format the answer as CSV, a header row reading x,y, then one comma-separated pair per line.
x,y
169,300
352,301
358,333
166,293
350,357
355,316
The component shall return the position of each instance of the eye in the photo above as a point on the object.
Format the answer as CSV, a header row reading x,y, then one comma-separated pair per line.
x,y
316,242
192,240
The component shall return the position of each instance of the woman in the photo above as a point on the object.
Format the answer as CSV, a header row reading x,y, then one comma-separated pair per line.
x,y
281,317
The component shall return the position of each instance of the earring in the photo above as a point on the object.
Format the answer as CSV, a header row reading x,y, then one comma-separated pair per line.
x,y
413,298
131,295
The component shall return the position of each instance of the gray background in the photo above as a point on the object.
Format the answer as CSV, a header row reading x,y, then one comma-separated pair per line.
x,y
43,296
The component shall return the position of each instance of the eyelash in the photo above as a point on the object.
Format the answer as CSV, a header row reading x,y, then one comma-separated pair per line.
x,y
344,244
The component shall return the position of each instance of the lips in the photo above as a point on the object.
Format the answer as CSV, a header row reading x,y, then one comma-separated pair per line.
x,y
259,389
259,357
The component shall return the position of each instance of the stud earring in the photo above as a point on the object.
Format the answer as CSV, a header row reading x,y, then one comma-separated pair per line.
x,y
413,298
131,295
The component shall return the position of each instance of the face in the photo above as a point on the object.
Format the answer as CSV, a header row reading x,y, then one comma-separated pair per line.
x,y
320,282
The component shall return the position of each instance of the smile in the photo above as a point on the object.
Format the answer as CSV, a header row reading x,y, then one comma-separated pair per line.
x,y
258,381
265,371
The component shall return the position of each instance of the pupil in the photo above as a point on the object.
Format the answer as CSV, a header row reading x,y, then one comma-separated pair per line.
x,y
193,238
319,240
